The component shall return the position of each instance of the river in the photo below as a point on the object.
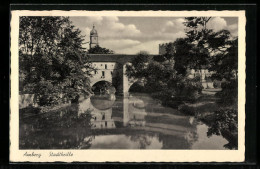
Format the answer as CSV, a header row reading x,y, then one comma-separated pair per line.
x,y
116,122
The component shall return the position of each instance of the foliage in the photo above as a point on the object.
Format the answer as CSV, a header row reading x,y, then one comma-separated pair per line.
x,y
207,44
188,55
103,87
61,129
99,50
217,84
117,78
161,80
197,28
220,53
229,94
224,119
188,110
137,87
226,64
138,65
52,60
224,122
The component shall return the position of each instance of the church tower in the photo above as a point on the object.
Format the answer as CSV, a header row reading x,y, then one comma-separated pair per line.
x,y
93,38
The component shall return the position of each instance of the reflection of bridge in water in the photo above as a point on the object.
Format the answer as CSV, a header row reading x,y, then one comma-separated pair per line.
x,y
117,121
130,113
102,111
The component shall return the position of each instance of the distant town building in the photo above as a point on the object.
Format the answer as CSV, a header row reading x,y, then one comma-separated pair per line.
x,y
162,49
93,38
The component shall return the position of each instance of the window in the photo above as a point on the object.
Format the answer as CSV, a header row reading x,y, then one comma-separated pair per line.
x,y
103,117
111,72
103,73
105,66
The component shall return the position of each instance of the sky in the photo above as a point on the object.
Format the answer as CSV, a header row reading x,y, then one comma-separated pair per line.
x,y
130,35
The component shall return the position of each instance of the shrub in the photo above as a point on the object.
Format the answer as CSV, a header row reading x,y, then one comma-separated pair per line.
x,y
188,110
188,90
217,84
137,87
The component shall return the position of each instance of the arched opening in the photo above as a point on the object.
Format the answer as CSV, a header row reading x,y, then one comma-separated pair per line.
x,y
137,87
103,88
104,95
138,96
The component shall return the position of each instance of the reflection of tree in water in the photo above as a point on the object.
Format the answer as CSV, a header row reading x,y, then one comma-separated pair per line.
x,y
142,139
176,142
63,129
224,122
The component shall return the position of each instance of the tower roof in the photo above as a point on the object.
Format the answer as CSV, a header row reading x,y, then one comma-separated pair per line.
x,y
93,31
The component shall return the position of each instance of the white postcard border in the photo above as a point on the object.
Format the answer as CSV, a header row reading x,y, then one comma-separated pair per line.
x,y
17,155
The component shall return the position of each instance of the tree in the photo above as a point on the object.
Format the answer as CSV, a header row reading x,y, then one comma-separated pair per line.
x,y
197,28
186,55
226,64
221,53
161,80
138,65
99,50
52,60
182,55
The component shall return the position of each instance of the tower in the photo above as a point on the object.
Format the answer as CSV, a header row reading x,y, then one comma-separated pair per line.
x,y
93,38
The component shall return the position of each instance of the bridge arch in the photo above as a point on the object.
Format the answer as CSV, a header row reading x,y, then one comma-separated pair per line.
x,y
93,82
136,86
103,87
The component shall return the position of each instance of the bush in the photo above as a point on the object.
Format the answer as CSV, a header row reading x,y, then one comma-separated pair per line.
x,y
137,87
217,84
188,110
188,90
179,91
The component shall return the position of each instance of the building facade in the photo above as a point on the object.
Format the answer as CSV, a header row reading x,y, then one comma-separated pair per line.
x,y
111,68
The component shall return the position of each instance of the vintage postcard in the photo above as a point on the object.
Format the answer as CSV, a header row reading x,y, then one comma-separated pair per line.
x,y
127,86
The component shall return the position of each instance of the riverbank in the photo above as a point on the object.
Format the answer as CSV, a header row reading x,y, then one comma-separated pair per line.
x,y
31,111
221,120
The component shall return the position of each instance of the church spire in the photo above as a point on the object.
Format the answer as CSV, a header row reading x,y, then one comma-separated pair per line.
x,y
93,37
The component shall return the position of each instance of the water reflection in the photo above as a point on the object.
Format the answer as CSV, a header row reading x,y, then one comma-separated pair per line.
x,y
107,122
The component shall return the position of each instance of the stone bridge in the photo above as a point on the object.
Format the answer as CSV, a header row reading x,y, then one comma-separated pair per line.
x,y
112,68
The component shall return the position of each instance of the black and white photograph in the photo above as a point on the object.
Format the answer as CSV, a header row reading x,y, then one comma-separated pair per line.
x,y
128,82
